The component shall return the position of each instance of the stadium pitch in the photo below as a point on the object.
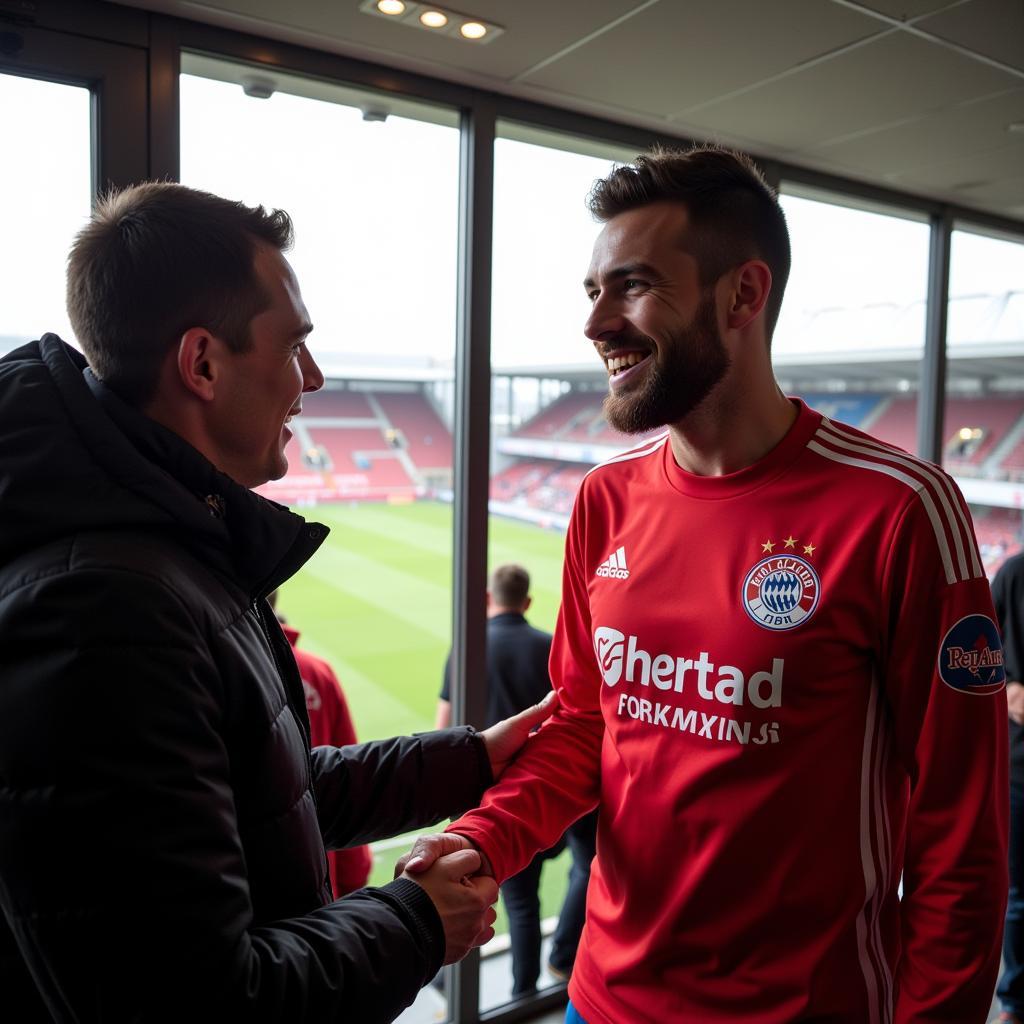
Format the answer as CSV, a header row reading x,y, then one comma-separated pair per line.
x,y
375,601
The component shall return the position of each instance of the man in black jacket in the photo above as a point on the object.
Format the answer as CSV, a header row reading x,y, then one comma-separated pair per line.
x,y
163,820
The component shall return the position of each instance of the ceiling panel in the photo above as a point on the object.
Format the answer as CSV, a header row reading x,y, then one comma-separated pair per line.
x,y
534,29
672,56
1002,193
975,126
894,77
992,27
906,9
972,171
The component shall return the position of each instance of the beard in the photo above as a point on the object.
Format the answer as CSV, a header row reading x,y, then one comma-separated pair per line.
x,y
679,378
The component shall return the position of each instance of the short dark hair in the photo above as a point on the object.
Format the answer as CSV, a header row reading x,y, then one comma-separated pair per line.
x,y
734,212
156,259
510,586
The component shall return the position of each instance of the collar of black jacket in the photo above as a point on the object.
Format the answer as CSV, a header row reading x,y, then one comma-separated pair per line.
x,y
237,532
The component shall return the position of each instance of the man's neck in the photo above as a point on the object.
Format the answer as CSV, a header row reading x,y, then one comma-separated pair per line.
x,y
731,430
493,613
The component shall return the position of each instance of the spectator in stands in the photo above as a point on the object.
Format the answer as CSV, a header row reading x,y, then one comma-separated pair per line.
x,y
150,710
330,725
1008,593
778,669
517,677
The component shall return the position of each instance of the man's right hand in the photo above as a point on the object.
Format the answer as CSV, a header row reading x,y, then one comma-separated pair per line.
x,y
464,903
428,848
1015,701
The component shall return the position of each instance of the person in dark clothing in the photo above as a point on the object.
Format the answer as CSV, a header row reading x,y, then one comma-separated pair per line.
x,y
151,713
517,677
1008,597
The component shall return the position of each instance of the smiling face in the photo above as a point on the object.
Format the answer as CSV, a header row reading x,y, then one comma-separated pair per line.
x,y
652,322
261,388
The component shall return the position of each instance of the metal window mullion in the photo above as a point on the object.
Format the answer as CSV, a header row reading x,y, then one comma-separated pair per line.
x,y
472,453
932,395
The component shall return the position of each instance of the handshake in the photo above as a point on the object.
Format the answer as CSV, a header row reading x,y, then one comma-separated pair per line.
x,y
456,875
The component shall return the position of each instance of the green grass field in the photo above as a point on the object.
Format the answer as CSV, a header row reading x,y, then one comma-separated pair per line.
x,y
375,601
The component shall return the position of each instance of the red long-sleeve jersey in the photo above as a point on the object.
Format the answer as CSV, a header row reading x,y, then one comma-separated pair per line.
x,y
782,687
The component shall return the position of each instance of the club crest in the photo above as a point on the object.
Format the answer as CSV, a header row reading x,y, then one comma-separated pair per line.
x,y
781,592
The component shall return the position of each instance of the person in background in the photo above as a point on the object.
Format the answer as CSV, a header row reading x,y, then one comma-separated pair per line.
x,y
517,677
1008,595
330,725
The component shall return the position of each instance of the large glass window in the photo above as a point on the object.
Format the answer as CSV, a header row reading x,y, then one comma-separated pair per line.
x,y
372,187
983,432
46,179
850,336
547,427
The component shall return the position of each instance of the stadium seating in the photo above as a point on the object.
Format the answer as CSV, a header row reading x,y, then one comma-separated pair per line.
x,y
999,535
897,423
553,420
992,416
427,439
337,405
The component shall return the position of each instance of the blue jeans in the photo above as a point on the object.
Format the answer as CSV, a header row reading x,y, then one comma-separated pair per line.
x,y
1011,984
572,1015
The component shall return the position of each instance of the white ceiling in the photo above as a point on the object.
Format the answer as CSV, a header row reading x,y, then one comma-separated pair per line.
x,y
912,94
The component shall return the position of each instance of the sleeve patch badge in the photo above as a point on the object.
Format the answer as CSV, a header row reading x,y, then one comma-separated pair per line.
x,y
971,656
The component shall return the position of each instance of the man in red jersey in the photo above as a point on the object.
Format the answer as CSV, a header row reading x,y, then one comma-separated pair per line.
x,y
778,670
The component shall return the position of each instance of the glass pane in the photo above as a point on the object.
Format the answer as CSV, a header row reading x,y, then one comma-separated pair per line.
x,y
983,433
49,193
372,187
850,336
548,385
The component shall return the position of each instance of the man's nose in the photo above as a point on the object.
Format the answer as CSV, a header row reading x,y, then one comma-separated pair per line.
x,y
605,318
312,375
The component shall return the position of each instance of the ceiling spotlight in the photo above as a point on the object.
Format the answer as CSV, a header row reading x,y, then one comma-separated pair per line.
x,y
430,17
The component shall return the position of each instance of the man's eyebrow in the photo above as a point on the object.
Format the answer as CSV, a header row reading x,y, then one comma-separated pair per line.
x,y
301,332
626,270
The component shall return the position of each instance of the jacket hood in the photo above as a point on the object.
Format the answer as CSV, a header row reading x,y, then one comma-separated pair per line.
x,y
75,458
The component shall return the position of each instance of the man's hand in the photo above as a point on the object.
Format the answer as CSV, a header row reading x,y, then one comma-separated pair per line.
x,y
427,849
465,904
1015,701
505,739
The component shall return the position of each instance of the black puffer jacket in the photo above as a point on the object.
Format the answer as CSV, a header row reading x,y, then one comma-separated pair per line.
x,y
162,820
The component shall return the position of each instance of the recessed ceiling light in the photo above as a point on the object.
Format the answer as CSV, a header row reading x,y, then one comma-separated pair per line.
x,y
434,19
431,17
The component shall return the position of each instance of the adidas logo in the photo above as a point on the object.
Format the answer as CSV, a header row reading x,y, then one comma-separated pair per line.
x,y
614,566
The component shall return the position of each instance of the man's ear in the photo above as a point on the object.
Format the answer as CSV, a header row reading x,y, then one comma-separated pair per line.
x,y
198,352
527,603
750,286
